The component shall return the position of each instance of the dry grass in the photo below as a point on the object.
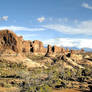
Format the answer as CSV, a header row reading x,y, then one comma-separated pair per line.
x,y
21,60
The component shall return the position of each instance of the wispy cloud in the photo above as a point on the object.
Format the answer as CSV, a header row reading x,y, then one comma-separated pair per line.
x,y
69,42
86,5
29,35
57,20
41,19
84,27
18,28
4,18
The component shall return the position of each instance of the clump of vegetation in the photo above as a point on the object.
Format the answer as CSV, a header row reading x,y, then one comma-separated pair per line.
x,y
41,79
37,88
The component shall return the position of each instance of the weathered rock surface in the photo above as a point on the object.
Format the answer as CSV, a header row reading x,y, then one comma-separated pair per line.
x,y
9,40
37,47
26,46
71,62
56,49
49,50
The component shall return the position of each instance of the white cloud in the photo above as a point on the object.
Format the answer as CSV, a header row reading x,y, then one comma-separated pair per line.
x,y
86,5
41,19
4,18
70,42
17,28
84,27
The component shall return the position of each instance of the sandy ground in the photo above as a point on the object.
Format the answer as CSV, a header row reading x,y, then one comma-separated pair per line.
x,y
66,90
11,89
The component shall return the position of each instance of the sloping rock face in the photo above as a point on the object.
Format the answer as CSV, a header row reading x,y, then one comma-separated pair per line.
x,y
9,40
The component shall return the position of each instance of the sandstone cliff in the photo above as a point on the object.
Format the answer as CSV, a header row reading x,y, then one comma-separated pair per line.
x,y
9,40
13,43
37,47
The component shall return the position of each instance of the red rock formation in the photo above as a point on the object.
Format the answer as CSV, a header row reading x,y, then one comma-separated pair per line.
x,y
37,47
72,51
82,50
63,50
77,51
56,49
9,40
26,46
49,49
67,50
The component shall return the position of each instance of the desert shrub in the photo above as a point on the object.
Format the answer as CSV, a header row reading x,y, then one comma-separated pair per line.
x,y
6,85
78,72
82,79
39,88
66,75
44,88
87,72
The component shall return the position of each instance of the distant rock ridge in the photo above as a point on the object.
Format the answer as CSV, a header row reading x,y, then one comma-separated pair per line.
x,y
9,40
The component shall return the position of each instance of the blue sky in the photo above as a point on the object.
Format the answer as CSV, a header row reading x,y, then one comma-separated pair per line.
x,y
62,22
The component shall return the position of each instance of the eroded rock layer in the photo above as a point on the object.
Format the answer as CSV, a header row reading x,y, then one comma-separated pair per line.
x,y
10,41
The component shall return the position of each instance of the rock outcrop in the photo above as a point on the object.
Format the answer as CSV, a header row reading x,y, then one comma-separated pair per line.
x,y
49,50
26,46
56,49
37,47
9,40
